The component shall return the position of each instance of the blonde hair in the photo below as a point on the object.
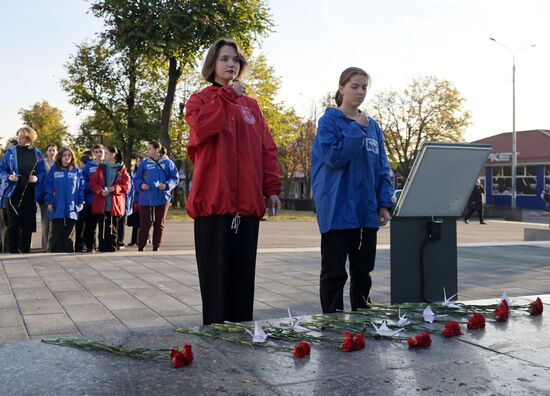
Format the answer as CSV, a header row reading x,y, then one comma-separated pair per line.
x,y
209,67
28,132
345,77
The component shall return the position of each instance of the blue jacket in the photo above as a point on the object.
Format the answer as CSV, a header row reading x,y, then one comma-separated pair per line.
x,y
89,169
152,173
130,197
64,189
349,172
9,165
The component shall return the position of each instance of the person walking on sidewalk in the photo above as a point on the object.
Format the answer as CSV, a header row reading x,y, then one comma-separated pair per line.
x,y
475,203
236,168
64,198
110,183
154,180
352,191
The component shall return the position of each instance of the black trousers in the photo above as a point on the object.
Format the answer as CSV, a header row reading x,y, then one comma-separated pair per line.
x,y
21,214
121,231
471,211
4,225
108,231
90,227
227,266
62,236
359,245
79,234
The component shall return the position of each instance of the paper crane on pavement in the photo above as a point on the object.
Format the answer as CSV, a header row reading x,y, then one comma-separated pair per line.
x,y
403,320
447,301
259,335
385,331
429,315
295,325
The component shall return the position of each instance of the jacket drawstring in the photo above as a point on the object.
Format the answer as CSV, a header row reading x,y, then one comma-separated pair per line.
x,y
236,222
360,239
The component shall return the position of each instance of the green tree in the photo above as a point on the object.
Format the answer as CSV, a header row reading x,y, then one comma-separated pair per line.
x,y
122,91
177,32
428,110
48,123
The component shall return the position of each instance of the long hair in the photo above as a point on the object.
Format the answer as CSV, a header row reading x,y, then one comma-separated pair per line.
x,y
158,146
345,77
209,67
59,161
116,152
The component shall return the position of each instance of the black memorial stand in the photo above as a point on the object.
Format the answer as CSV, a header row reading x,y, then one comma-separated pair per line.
x,y
423,259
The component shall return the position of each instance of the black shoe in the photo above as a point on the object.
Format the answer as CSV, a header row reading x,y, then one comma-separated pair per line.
x,y
466,221
140,249
132,244
155,249
90,250
120,247
482,222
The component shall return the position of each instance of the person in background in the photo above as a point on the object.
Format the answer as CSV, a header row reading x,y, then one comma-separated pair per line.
x,y
3,212
236,170
49,160
64,198
475,203
90,220
352,191
109,183
155,179
21,174
133,218
545,196
79,245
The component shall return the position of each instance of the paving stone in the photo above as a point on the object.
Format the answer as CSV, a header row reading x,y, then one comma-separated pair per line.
x,y
124,301
100,327
40,306
136,319
131,283
32,293
9,317
13,333
88,312
75,298
105,290
26,282
64,286
7,301
49,324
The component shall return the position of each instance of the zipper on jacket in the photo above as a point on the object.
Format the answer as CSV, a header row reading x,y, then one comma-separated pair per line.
x,y
237,219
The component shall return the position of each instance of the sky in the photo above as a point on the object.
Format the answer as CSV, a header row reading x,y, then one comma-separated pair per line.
x,y
395,41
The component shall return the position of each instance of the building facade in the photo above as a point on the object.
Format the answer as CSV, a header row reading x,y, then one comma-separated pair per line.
x,y
532,172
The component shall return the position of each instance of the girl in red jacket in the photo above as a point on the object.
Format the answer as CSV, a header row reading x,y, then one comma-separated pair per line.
x,y
109,183
236,168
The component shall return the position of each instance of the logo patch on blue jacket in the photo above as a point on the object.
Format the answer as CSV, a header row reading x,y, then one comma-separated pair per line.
x,y
57,175
370,145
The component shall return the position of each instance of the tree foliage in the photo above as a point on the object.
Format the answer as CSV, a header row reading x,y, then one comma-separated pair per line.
x,y
176,32
123,93
428,110
48,123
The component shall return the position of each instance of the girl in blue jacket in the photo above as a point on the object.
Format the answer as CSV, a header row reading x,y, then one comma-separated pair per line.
x,y
64,198
154,181
352,192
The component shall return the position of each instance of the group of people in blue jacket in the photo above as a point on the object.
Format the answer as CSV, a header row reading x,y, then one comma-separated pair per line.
x,y
78,203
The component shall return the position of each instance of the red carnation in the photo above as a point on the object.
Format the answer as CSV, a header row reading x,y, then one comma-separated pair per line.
x,y
422,340
536,307
352,342
347,342
451,329
502,312
476,321
358,341
301,350
181,359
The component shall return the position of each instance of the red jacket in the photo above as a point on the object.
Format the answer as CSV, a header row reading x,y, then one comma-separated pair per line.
x,y
234,156
118,197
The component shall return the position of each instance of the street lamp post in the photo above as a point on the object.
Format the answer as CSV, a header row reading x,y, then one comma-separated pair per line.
x,y
514,142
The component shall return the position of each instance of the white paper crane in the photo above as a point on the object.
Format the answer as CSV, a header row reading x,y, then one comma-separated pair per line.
x,y
385,331
295,325
429,315
259,335
447,301
403,320
506,298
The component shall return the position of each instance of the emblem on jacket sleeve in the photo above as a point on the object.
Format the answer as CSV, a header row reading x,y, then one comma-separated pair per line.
x,y
370,145
247,115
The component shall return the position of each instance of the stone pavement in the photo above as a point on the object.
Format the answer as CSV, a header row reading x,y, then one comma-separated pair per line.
x,y
140,298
